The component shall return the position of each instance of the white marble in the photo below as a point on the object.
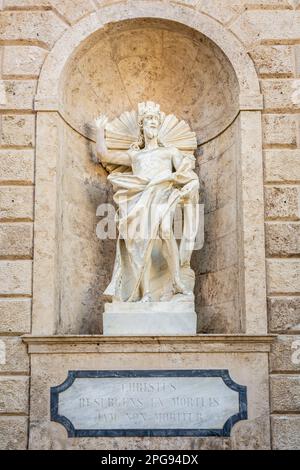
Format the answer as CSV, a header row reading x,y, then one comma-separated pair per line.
x,y
148,403
151,319
150,160
149,324
182,304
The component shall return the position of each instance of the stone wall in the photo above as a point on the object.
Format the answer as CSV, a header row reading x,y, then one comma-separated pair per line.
x,y
217,265
118,67
85,262
269,30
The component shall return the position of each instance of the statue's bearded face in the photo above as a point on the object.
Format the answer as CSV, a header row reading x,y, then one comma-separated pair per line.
x,y
151,123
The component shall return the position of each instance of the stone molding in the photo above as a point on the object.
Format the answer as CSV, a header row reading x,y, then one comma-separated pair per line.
x,y
48,95
76,344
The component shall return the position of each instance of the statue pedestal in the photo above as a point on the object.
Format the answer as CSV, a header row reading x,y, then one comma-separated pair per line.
x,y
149,319
81,418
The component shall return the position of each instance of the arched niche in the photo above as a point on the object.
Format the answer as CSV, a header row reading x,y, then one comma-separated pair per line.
x,y
135,60
109,68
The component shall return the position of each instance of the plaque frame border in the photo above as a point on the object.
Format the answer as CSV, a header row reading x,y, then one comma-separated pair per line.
x,y
222,373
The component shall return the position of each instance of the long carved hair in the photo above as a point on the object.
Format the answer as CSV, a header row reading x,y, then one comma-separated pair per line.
x,y
140,143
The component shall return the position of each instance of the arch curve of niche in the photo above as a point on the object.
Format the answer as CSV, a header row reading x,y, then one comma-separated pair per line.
x,y
134,60
195,69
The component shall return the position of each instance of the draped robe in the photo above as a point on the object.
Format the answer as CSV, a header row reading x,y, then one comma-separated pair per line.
x,y
143,206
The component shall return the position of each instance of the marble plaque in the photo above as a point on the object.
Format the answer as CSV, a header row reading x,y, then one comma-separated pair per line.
x,y
148,403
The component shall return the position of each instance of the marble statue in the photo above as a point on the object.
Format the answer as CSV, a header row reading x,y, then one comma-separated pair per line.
x,y
149,156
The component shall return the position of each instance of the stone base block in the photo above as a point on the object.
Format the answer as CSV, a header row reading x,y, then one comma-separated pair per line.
x,y
151,319
242,358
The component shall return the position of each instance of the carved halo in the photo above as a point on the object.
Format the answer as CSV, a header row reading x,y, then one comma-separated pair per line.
x,y
124,131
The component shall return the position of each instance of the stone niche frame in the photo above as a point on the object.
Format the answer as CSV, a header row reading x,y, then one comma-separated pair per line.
x,y
48,104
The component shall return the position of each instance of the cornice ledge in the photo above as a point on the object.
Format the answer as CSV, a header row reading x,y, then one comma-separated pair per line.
x,y
98,344
200,338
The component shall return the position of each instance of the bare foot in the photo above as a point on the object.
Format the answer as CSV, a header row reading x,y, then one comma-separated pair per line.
x,y
146,297
179,288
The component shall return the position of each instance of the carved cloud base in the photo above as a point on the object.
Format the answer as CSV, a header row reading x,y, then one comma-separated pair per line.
x,y
149,319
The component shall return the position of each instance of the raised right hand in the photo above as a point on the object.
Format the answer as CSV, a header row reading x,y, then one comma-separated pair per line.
x,y
101,121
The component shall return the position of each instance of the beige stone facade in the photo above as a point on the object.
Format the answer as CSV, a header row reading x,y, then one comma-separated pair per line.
x,y
61,63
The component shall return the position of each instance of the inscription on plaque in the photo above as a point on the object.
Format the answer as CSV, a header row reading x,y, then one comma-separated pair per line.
x,y
148,403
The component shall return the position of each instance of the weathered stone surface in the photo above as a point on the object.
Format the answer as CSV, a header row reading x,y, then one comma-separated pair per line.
x,y
253,26
282,202
16,202
17,130
252,200
102,3
285,393
15,315
284,314
45,238
273,59
41,435
143,59
285,355
282,165
282,239
13,394
19,94
223,315
17,165
251,441
250,369
219,285
13,432
297,59
212,7
215,262
39,27
227,10
207,259
227,254
278,95
16,357
190,3
285,432
283,276
220,222
22,60
15,277
10,4
72,10
279,129
16,239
